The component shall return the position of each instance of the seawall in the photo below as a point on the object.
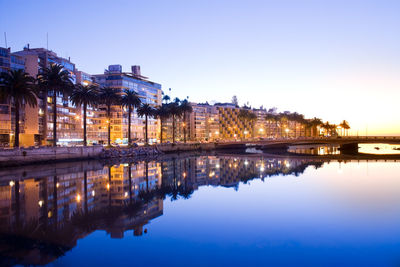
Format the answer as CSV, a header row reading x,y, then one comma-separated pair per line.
x,y
24,156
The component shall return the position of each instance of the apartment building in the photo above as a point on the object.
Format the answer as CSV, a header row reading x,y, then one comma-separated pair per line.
x,y
28,118
149,93
231,126
68,122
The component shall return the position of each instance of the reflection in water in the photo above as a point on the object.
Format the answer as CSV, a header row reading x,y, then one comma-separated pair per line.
x,y
315,149
43,216
46,210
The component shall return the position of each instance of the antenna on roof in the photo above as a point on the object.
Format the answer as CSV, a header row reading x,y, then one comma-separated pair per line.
x,y
47,41
5,38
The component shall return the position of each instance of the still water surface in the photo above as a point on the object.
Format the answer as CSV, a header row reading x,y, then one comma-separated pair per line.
x,y
203,211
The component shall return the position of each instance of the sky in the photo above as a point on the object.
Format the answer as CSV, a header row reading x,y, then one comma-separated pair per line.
x,y
333,59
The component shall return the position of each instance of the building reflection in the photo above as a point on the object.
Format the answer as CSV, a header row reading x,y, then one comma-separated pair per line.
x,y
45,211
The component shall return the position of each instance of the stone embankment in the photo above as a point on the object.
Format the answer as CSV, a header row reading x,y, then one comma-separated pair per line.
x,y
144,151
24,156
116,152
20,156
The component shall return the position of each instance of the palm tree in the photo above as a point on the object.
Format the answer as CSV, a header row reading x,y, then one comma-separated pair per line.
x,y
296,118
131,100
84,96
345,125
185,108
269,118
252,119
56,80
147,111
109,96
166,98
283,120
17,87
176,112
314,123
247,117
162,113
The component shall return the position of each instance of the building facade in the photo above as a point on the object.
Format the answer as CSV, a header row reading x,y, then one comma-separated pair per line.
x,y
149,93
28,118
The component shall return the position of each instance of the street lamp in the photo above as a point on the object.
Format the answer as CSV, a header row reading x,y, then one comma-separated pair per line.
x,y
287,132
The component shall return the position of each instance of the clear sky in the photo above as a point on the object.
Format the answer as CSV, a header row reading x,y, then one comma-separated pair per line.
x,y
336,59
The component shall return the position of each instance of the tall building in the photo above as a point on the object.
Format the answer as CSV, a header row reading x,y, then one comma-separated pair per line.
x,y
96,126
68,122
231,126
149,93
204,123
28,118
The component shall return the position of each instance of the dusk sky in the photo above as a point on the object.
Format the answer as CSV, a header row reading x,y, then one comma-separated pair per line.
x,y
331,59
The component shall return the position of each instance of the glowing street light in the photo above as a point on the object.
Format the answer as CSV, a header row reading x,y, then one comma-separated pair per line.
x,y
12,183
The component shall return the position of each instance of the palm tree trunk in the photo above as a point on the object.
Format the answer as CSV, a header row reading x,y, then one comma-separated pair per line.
x,y
109,189
147,176
55,120
17,204
173,129
109,124
55,201
84,125
44,137
161,131
85,191
184,127
16,137
130,182
129,125
147,140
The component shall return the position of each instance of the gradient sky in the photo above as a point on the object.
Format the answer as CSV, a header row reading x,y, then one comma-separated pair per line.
x,y
336,59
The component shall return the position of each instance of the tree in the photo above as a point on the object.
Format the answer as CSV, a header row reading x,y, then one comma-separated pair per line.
x,y
108,96
283,120
84,96
345,125
314,123
131,100
166,98
247,117
162,113
147,111
271,118
17,87
185,108
175,112
235,101
56,80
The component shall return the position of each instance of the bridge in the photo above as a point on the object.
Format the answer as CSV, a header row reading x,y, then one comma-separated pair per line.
x,y
349,143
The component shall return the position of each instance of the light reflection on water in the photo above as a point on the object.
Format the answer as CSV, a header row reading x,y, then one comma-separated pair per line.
x,y
206,210
315,149
380,149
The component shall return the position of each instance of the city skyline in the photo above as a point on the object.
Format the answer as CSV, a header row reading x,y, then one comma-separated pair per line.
x,y
337,60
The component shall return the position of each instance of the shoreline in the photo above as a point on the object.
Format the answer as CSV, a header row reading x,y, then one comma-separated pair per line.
x,y
51,155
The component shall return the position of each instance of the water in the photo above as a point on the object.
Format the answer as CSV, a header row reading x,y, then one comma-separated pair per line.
x,y
239,210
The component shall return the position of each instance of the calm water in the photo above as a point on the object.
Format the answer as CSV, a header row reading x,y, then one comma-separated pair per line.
x,y
202,211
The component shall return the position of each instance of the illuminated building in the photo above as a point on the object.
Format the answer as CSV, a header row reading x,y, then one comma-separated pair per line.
x,y
231,126
36,59
149,93
28,117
